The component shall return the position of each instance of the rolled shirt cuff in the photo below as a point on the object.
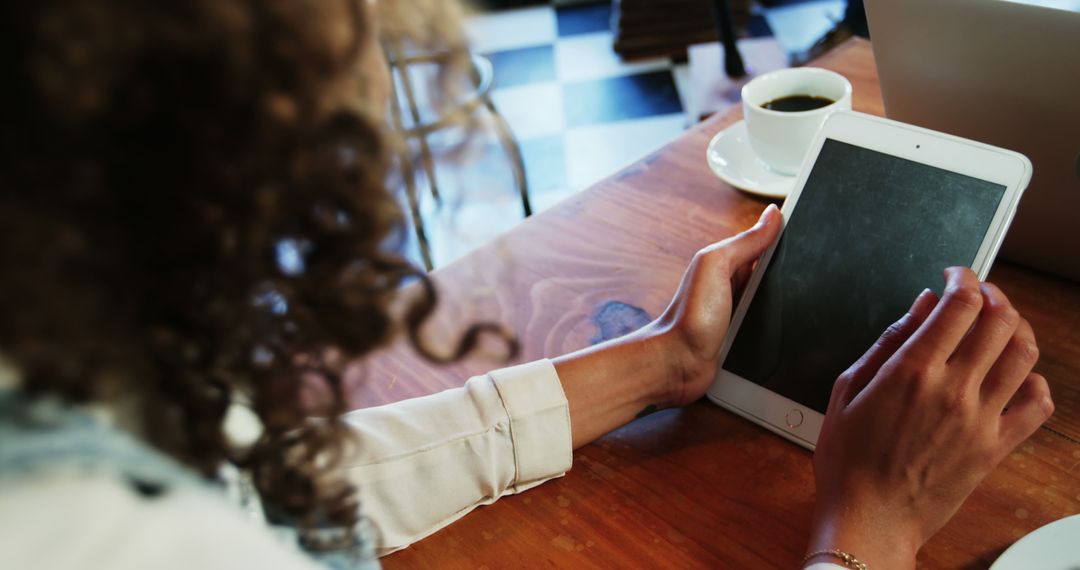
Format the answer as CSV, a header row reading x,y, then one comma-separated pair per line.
x,y
539,421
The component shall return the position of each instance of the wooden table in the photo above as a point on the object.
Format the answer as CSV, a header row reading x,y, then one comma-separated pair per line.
x,y
696,487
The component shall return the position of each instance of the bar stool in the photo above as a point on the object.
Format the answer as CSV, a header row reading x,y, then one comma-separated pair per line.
x,y
405,100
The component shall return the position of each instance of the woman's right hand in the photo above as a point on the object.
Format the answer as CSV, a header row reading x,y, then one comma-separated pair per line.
x,y
921,419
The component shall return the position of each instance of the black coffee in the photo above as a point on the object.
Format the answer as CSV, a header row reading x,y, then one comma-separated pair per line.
x,y
793,103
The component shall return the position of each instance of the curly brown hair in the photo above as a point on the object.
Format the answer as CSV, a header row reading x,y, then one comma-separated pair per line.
x,y
187,217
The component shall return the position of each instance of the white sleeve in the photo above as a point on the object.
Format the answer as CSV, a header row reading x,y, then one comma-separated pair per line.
x,y
426,462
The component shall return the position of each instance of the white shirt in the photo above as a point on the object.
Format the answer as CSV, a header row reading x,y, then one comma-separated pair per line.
x,y
421,465
500,434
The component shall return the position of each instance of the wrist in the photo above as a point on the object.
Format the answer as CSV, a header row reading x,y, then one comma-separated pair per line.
x,y
606,385
877,544
659,389
831,556
684,368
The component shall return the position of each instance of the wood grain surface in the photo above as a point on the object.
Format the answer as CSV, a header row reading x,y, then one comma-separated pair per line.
x,y
696,487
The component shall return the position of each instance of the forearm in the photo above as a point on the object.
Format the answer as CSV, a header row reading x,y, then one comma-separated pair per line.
x,y
610,384
420,464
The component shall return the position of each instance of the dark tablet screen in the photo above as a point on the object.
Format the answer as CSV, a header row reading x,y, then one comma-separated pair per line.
x,y
870,231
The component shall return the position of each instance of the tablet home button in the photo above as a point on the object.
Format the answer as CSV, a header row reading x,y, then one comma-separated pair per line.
x,y
794,418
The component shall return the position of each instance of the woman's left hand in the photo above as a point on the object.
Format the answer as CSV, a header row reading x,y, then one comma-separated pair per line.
x,y
696,321
671,361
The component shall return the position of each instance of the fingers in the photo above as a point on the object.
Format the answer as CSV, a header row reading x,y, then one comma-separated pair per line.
x,y
1012,367
1030,408
744,248
938,337
856,377
980,349
740,278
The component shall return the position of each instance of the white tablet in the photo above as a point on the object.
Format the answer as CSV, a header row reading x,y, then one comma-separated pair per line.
x,y
879,210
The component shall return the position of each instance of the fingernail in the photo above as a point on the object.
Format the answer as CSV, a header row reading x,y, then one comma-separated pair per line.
x,y
1047,406
919,299
769,211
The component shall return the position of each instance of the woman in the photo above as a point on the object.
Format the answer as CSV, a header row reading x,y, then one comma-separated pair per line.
x,y
191,216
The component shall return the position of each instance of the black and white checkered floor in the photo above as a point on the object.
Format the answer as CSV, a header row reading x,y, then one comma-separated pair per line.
x,y
579,112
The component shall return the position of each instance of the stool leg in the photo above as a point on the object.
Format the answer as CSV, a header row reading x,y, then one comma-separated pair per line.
x,y
409,178
414,206
426,159
513,150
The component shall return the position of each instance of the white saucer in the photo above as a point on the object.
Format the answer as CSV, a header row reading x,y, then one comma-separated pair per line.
x,y
730,157
1051,547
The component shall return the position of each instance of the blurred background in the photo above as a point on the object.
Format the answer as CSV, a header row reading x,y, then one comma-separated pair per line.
x,y
571,92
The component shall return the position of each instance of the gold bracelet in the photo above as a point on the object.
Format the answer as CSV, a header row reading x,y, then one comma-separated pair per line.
x,y
848,560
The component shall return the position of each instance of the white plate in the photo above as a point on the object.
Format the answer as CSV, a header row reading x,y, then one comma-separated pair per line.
x,y
1051,547
730,157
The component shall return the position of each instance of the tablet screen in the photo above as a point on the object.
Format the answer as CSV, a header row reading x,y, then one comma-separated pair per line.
x,y
869,232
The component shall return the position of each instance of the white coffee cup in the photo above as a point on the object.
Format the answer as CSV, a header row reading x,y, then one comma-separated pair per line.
x,y
781,139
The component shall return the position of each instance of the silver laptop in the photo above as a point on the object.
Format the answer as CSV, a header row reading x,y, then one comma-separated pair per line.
x,y
1001,72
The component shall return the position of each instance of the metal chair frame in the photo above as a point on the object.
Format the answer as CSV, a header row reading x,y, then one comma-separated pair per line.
x,y
483,79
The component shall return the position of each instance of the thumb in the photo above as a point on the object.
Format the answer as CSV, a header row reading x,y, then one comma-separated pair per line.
x,y
745,247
